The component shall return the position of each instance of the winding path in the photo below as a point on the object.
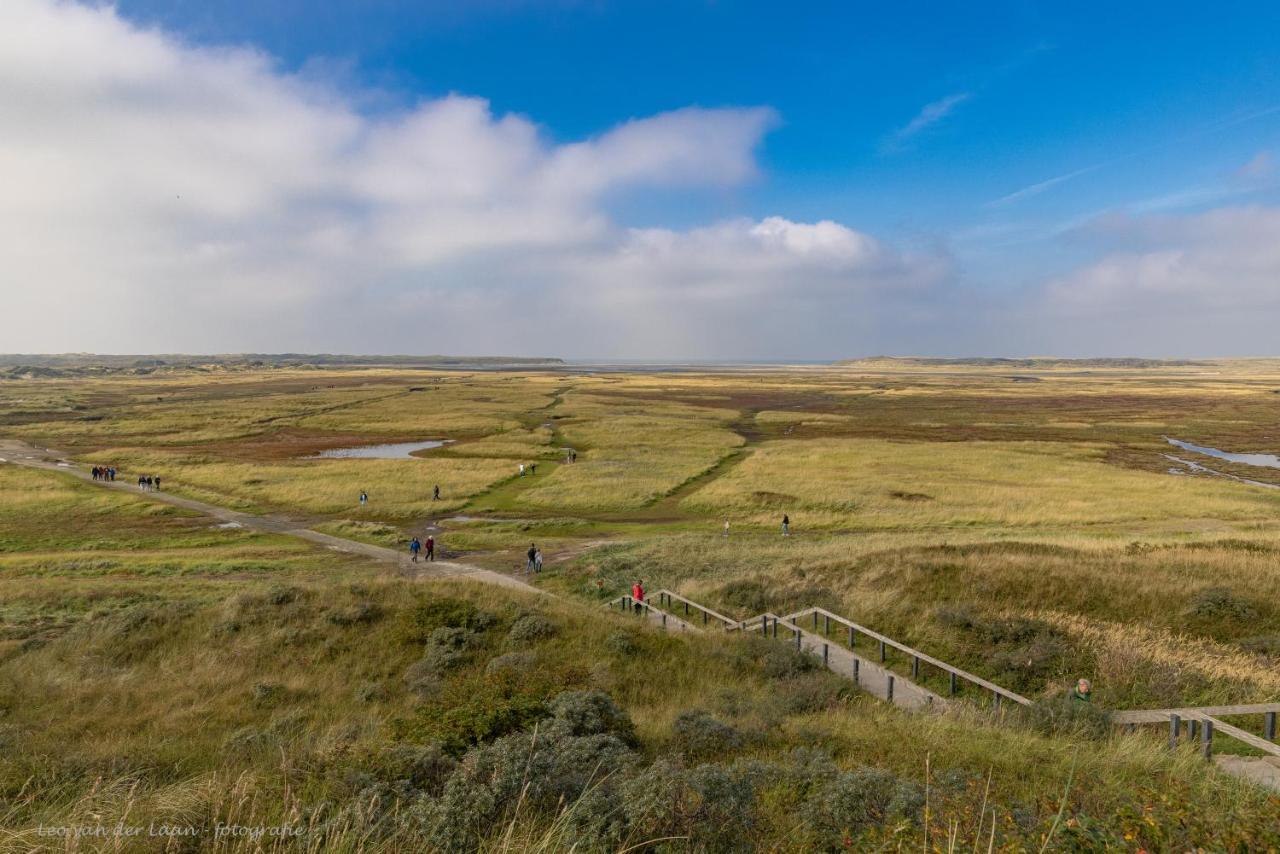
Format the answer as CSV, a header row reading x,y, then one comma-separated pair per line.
x,y
47,459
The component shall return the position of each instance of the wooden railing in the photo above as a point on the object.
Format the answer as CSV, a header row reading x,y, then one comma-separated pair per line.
x,y
1202,722
667,597
955,674
668,621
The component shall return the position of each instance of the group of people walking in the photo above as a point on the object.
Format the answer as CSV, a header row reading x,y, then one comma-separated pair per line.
x,y
104,472
416,547
148,482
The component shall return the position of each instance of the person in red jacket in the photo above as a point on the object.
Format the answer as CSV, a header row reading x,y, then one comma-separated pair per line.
x,y
431,548
637,595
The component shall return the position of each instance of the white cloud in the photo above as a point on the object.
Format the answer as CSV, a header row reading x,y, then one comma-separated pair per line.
x,y
163,196
1222,261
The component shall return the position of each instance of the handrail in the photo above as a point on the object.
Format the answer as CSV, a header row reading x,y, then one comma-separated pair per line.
x,y
728,621
628,602
915,653
1155,716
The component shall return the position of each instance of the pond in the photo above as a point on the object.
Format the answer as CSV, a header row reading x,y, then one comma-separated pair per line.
x,y
394,451
1270,461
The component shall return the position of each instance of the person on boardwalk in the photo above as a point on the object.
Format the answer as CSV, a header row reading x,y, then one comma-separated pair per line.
x,y
1083,692
431,548
637,596
364,498
415,546
435,493
786,525
532,554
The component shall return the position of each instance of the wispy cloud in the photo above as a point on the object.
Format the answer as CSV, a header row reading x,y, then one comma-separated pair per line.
x,y
930,114
1040,186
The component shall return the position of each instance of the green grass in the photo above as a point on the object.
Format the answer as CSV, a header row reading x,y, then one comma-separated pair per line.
x,y
172,669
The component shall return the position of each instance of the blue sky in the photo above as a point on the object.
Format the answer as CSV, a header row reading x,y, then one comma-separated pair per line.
x,y
1026,148
1133,91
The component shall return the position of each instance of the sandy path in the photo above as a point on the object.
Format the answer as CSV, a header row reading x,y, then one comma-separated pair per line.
x,y
19,453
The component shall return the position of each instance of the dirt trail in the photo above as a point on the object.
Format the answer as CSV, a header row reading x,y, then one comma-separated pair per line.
x,y
19,453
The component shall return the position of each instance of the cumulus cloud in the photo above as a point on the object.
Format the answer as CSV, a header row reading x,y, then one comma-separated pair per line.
x,y
165,196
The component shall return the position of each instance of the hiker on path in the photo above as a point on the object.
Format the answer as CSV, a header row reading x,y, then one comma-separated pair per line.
x,y
537,561
364,498
532,554
533,468
522,469
156,482
414,547
431,548
1083,692
637,596
435,493
786,525
726,527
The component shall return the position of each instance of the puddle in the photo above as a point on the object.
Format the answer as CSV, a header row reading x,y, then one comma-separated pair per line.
x,y
229,525
1196,467
395,451
1270,461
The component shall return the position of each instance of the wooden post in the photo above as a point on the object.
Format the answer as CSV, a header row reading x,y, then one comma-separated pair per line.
x,y
953,682
826,654
704,618
797,638
995,700
890,697
626,603
915,667
1269,726
764,626
686,609
856,668
775,627
881,651
664,618
826,624
1193,728
1175,724
851,637
1206,739
815,619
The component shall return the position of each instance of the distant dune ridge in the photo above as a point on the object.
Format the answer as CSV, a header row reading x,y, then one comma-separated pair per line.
x,y
1034,362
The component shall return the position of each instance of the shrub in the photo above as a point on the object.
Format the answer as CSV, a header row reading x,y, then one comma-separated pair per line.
x,y
1268,645
530,628
1064,715
698,734
518,661
781,661
621,643
1219,603
814,692
1035,660
282,595
445,612
592,713
854,801
711,806
543,771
